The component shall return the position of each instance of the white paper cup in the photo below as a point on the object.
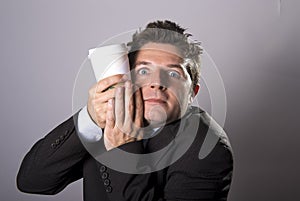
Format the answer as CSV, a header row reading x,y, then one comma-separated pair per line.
x,y
109,60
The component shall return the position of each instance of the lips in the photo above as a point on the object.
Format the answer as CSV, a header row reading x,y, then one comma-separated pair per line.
x,y
155,101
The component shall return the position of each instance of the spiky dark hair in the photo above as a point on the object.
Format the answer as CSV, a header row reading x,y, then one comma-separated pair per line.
x,y
168,32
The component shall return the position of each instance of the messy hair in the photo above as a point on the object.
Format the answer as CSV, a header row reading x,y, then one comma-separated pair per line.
x,y
168,32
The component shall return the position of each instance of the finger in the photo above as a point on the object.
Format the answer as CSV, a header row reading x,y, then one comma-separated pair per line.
x,y
105,96
110,117
129,104
105,83
101,111
139,108
119,107
140,136
99,103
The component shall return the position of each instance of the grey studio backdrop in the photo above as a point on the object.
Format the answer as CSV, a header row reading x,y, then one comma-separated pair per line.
x,y
254,44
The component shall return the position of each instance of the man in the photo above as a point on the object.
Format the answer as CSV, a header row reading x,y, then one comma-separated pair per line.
x,y
152,136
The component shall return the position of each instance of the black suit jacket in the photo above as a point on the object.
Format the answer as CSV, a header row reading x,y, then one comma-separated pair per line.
x,y
202,172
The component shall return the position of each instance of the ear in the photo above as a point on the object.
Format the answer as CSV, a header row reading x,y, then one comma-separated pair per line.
x,y
196,89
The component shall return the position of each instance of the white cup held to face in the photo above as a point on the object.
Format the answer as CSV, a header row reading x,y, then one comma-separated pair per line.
x,y
109,60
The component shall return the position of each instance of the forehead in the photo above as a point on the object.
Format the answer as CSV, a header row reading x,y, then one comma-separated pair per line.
x,y
159,54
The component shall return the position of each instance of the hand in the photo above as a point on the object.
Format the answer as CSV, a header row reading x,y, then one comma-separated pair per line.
x,y
124,117
99,96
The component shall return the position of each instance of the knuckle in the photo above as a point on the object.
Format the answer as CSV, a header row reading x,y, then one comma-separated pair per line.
x,y
110,118
92,91
139,106
105,83
130,107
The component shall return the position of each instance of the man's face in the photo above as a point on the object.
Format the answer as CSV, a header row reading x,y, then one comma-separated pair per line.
x,y
165,84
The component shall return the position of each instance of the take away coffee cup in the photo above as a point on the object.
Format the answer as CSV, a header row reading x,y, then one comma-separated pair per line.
x,y
109,60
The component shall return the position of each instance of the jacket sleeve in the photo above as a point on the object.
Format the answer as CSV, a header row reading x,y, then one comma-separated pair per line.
x,y
53,162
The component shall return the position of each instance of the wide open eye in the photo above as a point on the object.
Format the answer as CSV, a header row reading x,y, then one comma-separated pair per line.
x,y
174,74
143,71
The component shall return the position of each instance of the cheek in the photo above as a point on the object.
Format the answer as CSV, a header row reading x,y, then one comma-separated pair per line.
x,y
181,93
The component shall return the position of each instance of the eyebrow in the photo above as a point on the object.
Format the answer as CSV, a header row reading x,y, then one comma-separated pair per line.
x,y
142,63
174,66
149,63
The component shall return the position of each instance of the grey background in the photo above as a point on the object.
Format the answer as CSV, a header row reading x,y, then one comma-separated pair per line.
x,y
255,45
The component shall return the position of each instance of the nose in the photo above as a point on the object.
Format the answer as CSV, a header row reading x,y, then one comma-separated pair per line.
x,y
158,81
156,86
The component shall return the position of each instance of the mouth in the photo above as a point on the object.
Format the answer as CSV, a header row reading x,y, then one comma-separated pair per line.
x,y
155,101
